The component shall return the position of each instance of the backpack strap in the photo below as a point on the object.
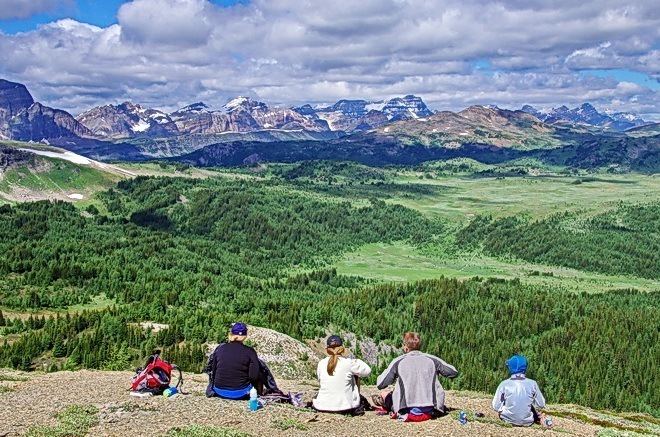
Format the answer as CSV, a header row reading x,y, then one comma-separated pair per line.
x,y
179,384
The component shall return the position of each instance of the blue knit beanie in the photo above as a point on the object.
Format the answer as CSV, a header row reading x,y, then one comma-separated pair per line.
x,y
516,364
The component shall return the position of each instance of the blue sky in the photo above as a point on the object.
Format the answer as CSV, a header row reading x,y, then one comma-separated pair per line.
x,y
452,53
623,75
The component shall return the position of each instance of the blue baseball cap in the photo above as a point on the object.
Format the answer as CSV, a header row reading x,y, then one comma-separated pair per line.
x,y
239,328
516,364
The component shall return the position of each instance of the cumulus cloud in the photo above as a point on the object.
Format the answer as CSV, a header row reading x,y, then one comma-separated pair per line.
x,y
167,53
10,9
179,23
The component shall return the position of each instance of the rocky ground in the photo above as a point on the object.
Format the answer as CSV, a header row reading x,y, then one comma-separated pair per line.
x,y
98,403
31,403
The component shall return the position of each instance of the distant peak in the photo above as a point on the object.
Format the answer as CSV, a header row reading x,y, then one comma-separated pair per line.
x,y
237,101
195,107
243,102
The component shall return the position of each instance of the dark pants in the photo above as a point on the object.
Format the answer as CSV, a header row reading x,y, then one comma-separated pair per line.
x,y
388,404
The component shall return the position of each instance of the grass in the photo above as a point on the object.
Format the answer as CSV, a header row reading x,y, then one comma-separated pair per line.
x,y
74,421
4,377
205,431
98,302
57,176
401,262
464,197
287,423
614,425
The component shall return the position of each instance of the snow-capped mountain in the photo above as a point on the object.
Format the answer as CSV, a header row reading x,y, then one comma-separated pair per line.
x,y
243,114
402,108
352,115
127,120
625,118
587,114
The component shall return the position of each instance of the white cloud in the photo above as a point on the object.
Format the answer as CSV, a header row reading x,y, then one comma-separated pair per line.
x,y
168,53
178,23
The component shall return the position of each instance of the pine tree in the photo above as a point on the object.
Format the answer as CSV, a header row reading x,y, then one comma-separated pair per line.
x,y
59,349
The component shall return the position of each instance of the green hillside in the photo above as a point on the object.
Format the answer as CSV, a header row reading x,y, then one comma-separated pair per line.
x,y
197,254
26,176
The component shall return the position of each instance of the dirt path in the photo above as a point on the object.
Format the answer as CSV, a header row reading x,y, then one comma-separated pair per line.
x,y
34,399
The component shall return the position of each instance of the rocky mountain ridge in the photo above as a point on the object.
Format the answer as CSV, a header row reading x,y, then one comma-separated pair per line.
x,y
474,125
21,118
126,120
587,114
360,115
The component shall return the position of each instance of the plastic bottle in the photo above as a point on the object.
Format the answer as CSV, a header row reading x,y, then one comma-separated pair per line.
x,y
170,392
548,422
253,403
462,417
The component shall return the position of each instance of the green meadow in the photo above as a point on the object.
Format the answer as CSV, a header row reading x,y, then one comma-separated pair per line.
x,y
462,197
401,262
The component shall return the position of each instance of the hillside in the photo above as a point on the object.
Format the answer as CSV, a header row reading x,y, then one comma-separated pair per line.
x,y
652,129
475,125
50,173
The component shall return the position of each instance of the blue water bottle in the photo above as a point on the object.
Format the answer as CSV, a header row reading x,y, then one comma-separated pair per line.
x,y
253,403
462,417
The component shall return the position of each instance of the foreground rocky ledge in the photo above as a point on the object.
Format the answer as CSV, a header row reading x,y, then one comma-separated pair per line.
x,y
31,403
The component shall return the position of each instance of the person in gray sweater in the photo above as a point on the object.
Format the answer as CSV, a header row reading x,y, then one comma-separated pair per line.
x,y
415,377
518,400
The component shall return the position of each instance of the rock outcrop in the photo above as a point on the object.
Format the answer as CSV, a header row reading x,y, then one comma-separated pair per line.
x,y
21,118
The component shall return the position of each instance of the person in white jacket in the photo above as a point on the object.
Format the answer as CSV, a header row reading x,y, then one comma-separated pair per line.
x,y
339,390
519,400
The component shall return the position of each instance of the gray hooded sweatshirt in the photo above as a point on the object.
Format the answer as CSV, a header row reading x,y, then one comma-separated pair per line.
x,y
515,398
417,385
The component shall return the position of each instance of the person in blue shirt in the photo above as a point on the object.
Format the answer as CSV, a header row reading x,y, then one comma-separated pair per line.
x,y
518,400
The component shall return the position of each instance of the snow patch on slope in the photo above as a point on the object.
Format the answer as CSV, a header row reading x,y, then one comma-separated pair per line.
x,y
141,126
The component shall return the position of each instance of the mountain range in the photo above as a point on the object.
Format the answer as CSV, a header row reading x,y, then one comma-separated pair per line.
x,y
399,130
22,118
244,114
587,115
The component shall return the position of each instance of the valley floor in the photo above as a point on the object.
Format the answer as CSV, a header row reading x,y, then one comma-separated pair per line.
x,y
31,402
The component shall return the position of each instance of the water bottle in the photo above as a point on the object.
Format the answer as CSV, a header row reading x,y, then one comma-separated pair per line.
x,y
462,418
171,391
253,403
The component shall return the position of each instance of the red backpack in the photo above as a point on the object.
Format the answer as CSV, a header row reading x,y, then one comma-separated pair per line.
x,y
156,376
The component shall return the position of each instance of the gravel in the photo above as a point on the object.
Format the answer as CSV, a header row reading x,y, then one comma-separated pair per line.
x,y
34,399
